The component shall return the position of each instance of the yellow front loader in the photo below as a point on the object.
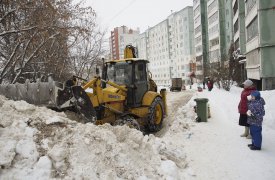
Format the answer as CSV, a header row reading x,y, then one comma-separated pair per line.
x,y
125,94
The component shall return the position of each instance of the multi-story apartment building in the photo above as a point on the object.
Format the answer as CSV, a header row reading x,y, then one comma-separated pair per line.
x,y
141,43
220,31
201,37
213,34
169,47
181,43
239,36
228,28
158,53
260,42
120,37
214,30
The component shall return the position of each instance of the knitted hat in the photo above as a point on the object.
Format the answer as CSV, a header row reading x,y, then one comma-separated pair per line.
x,y
256,94
248,83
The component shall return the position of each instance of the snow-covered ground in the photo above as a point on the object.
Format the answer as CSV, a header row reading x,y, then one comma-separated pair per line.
x,y
215,149
37,143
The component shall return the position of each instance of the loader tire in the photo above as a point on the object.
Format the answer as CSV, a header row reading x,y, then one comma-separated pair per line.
x,y
156,114
129,121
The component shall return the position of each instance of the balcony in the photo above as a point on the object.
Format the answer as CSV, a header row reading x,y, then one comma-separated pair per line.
x,y
251,15
233,2
252,44
236,35
209,2
236,17
196,3
213,11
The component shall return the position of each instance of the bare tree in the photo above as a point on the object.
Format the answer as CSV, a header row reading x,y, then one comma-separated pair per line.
x,y
84,53
87,43
40,37
228,72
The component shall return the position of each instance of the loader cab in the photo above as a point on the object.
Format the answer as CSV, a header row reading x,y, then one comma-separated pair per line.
x,y
133,74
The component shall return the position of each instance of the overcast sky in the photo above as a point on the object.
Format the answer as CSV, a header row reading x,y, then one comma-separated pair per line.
x,y
134,13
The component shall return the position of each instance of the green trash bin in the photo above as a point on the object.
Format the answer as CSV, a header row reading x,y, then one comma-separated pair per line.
x,y
202,109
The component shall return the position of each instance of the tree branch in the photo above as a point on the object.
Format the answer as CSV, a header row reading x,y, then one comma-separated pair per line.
x,y
7,14
18,30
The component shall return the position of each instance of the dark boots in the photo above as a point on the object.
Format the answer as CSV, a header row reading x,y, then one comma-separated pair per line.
x,y
252,147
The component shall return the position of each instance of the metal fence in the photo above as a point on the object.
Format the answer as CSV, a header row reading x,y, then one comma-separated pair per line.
x,y
39,93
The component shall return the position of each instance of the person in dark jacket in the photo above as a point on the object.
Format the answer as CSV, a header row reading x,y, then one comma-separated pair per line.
x,y
255,114
248,89
209,84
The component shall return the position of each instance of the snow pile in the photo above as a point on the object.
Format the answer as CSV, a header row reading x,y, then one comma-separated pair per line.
x,y
269,97
37,143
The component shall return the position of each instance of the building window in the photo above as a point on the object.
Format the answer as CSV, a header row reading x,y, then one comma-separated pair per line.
x,y
237,44
214,54
249,5
199,49
236,6
213,18
212,5
214,42
198,40
198,29
252,29
236,26
213,30
197,11
195,2
198,58
198,20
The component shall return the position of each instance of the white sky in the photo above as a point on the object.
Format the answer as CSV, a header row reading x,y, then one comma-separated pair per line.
x,y
134,13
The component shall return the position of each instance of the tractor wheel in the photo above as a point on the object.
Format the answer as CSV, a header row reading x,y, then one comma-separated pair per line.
x,y
156,114
129,121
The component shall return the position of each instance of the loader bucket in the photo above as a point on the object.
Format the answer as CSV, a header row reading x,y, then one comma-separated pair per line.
x,y
83,104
